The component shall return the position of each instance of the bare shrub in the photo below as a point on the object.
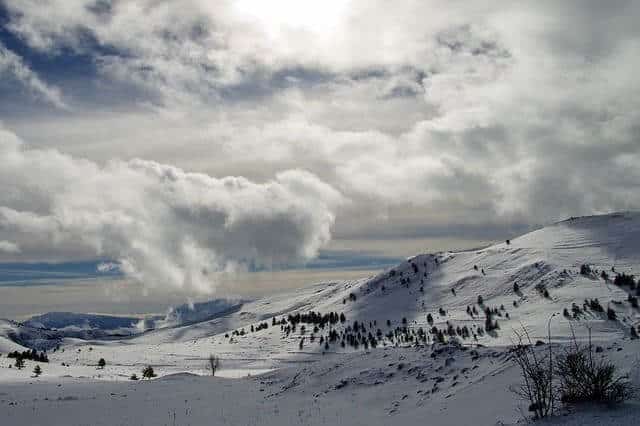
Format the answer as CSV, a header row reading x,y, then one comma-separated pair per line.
x,y
536,368
586,377
634,376
213,363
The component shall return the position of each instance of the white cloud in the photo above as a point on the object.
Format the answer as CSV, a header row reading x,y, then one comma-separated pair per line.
x,y
166,227
12,66
9,247
420,112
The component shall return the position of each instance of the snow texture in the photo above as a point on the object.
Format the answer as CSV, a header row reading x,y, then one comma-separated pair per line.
x,y
267,378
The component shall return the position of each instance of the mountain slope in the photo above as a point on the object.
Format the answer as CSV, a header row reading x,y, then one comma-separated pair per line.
x,y
545,265
527,282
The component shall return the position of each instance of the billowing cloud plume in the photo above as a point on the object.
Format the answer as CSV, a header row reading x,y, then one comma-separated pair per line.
x,y
166,227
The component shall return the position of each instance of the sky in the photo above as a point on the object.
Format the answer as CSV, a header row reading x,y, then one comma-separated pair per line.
x,y
182,141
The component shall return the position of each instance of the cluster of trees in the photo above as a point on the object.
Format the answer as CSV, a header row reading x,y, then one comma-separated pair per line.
x,y
585,270
621,279
405,281
489,323
451,331
404,335
361,334
261,326
575,311
319,321
472,311
354,340
147,373
240,332
356,335
252,329
31,355
19,364
590,304
317,318
593,304
624,280
542,289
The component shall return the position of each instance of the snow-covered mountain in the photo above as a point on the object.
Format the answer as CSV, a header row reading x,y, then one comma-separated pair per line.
x,y
15,336
527,280
512,275
43,332
559,279
75,321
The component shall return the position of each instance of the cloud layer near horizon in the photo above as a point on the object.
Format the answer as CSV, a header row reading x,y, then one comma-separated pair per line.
x,y
166,227
422,114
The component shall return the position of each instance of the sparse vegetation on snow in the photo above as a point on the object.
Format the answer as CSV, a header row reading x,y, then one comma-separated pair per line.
x,y
434,332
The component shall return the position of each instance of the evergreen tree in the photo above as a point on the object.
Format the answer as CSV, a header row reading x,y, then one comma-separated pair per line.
x,y
148,372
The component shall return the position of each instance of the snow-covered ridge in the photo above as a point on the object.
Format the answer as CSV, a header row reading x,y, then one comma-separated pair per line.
x,y
62,320
336,377
47,331
523,282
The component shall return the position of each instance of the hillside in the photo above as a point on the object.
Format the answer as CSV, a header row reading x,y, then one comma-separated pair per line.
x,y
448,282
429,298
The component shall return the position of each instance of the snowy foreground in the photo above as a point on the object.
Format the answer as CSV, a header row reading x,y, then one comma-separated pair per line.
x,y
271,376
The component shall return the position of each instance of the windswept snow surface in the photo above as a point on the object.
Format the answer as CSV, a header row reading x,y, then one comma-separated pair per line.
x,y
313,384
